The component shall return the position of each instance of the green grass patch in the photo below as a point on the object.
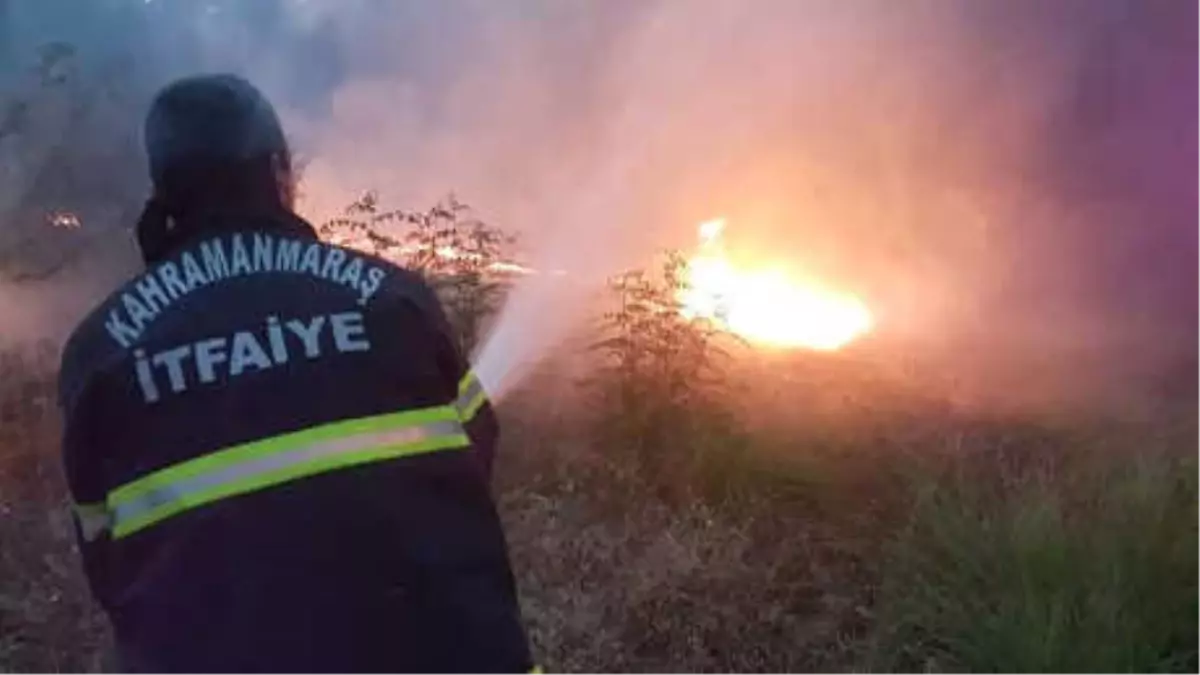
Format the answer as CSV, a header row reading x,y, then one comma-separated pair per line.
x,y
1090,566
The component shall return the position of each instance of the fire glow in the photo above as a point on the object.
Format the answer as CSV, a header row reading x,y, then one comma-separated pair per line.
x,y
767,306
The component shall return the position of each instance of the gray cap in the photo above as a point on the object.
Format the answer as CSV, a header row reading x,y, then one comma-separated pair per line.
x,y
210,118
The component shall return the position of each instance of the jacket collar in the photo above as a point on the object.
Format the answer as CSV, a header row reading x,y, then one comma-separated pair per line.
x,y
197,228
282,222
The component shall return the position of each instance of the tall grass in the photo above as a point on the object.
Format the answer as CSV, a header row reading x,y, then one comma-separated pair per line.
x,y
1088,565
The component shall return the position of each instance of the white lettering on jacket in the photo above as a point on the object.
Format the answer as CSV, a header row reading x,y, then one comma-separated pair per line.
x,y
219,359
229,257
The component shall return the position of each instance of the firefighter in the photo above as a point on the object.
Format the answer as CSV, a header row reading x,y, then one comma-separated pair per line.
x,y
278,459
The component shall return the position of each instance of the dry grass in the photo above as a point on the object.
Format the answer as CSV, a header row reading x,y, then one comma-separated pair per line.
x,y
763,566
47,620
637,585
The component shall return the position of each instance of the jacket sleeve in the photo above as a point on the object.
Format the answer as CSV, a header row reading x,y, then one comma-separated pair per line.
x,y
479,418
475,410
85,481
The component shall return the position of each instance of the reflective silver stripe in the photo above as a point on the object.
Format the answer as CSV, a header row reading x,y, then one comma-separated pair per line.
x,y
190,491
470,397
93,520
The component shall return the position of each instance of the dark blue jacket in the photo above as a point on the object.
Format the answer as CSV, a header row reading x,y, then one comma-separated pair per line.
x,y
280,462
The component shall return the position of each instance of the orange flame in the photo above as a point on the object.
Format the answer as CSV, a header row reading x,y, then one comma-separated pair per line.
x,y
766,306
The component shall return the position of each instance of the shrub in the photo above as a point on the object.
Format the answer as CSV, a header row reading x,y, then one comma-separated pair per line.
x,y
463,258
660,385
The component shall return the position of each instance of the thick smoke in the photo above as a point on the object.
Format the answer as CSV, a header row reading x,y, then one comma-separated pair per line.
x,y
1008,179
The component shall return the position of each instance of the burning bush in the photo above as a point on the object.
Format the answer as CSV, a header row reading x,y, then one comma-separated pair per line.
x,y
660,386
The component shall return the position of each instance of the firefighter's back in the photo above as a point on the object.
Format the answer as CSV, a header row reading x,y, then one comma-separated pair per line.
x,y
268,426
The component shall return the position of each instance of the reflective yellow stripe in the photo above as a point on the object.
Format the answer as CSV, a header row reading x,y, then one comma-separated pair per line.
x,y
471,396
273,461
93,519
